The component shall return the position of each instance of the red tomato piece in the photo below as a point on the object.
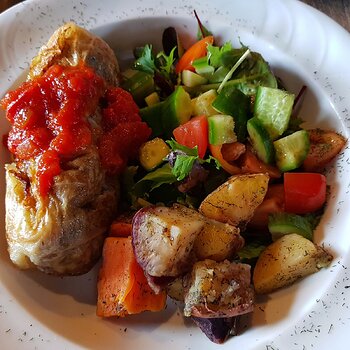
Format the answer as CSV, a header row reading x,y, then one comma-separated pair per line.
x,y
197,50
194,133
304,192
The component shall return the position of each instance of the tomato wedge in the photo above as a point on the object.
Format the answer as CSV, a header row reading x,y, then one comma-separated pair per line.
x,y
194,133
304,192
197,50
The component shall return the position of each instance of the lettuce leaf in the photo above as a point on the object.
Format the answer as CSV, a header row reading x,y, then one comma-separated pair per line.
x,y
154,179
215,54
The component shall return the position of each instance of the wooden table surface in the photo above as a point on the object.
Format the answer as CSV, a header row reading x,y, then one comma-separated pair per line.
x,y
339,10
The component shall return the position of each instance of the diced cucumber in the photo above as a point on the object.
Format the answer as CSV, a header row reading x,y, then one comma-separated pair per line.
x,y
284,223
202,103
260,140
292,150
233,102
202,66
140,85
152,153
221,129
273,108
192,79
152,99
177,110
152,115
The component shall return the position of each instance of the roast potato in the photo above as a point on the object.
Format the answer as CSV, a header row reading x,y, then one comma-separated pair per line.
x,y
176,288
218,289
236,199
63,233
217,329
217,241
286,260
163,238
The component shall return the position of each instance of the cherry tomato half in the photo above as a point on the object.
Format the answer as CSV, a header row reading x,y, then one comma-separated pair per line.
x,y
304,192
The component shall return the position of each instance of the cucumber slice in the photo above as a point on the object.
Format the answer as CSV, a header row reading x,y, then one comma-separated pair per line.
x,y
203,103
273,108
177,110
284,223
233,102
140,85
221,129
152,115
191,79
292,150
260,140
202,66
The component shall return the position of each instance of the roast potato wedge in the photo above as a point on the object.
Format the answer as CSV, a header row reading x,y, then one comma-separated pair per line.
x,y
63,233
218,289
236,199
217,329
286,260
163,239
217,241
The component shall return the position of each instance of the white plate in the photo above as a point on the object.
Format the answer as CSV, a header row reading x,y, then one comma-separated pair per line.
x,y
303,47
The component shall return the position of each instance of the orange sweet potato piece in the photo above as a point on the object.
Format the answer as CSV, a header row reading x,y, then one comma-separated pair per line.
x,y
122,286
141,296
120,229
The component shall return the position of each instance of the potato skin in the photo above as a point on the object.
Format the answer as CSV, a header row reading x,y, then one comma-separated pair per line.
x,y
217,329
163,238
286,260
236,199
218,289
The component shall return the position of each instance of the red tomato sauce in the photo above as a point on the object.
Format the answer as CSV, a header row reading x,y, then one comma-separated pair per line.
x,y
124,131
49,117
